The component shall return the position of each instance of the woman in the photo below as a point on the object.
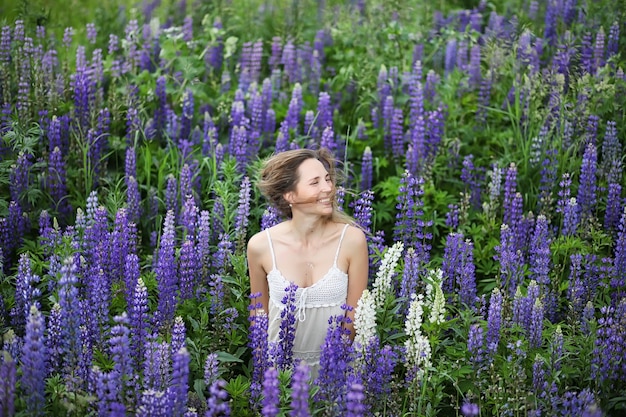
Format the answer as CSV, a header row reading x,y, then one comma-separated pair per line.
x,y
318,248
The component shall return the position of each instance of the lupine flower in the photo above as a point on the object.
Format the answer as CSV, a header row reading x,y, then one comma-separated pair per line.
x,y
19,178
418,350
257,342
365,319
119,345
224,251
54,334
598,50
494,322
335,363
284,352
413,269
217,403
383,282
271,393
270,217
536,325
375,365
556,349
451,53
354,400
153,403
8,383
211,369
26,292
166,276
290,64
484,97
70,315
571,217
435,297
410,226
581,403
122,242
179,382
106,393
540,251
156,368
363,210
56,182
587,318
243,209
511,272
188,269
395,137
139,318
610,344
586,197
458,268
324,112
33,363
171,194
475,345
366,170
469,409
300,391
328,140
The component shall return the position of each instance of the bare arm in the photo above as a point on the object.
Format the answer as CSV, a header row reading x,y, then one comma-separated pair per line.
x,y
358,270
258,276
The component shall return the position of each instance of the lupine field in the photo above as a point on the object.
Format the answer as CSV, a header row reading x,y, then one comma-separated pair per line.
x,y
482,150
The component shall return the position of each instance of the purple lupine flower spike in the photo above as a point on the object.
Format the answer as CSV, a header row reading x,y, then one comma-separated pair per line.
x,y
26,292
257,342
139,318
284,356
366,169
179,382
8,384
587,188
217,404
300,391
123,364
494,322
33,363
166,274
271,393
354,400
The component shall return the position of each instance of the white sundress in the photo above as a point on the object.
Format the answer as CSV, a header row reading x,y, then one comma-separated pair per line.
x,y
314,306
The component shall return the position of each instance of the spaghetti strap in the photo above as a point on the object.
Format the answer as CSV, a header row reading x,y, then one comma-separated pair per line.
x,y
343,232
269,239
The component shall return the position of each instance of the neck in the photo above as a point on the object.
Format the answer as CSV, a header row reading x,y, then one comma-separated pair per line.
x,y
308,230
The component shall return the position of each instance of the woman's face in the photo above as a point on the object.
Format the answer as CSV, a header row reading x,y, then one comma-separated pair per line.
x,y
314,189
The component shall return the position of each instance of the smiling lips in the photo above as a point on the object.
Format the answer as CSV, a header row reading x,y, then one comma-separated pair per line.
x,y
324,201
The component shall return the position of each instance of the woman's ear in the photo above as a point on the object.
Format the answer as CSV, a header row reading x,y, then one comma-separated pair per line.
x,y
289,197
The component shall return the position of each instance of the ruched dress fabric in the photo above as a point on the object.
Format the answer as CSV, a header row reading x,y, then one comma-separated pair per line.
x,y
314,306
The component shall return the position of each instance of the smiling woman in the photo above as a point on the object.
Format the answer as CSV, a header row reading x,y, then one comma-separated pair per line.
x,y
318,251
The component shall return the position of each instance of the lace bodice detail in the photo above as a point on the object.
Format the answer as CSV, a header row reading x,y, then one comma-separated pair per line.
x,y
330,291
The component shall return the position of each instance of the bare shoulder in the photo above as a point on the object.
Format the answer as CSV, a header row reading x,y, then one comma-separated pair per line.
x,y
257,243
355,237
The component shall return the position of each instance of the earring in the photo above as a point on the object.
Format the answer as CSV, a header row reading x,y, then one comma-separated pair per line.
x,y
290,205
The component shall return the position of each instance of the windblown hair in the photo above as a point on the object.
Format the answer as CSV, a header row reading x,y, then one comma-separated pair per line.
x,y
279,176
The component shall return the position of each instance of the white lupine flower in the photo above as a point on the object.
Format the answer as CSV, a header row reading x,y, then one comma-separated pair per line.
x,y
382,283
365,319
436,298
418,349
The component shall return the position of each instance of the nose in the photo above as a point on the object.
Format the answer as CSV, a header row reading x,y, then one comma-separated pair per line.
x,y
327,186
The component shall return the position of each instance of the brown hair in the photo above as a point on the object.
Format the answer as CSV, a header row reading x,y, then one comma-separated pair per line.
x,y
279,176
